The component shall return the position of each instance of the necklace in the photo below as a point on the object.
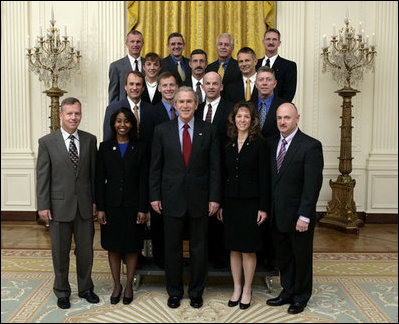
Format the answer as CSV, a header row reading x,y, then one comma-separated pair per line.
x,y
151,85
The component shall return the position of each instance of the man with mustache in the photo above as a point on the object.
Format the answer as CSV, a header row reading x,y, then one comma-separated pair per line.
x,y
198,63
285,70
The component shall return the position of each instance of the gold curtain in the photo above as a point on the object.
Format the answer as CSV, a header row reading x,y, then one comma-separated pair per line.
x,y
200,22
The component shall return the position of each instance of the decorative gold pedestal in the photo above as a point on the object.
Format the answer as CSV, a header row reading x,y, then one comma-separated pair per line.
x,y
55,93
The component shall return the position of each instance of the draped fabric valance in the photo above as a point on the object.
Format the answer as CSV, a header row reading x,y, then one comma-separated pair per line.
x,y
200,22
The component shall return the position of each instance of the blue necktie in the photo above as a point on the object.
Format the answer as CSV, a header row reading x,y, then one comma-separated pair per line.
x,y
262,114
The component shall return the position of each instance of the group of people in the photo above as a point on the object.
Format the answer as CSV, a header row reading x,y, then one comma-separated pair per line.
x,y
213,152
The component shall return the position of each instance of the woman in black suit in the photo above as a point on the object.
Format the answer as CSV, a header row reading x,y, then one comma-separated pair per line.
x,y
122,198
244,205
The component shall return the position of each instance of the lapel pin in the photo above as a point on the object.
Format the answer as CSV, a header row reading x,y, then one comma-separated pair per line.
x,y
199,134
114,148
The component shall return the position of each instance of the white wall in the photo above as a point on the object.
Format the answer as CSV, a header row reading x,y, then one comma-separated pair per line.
x,y
100,27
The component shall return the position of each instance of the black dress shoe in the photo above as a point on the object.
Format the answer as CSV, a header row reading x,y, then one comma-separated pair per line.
x,y
115,300
196,302
63,302
90,296
174,302
278,301
233,303
245,306
296,308
127,300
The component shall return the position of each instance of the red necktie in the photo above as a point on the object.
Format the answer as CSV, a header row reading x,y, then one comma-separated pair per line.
x,y
208,117
186,145
172,112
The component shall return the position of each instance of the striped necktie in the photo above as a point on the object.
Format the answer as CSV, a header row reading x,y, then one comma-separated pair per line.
x,y
181,72
281,154
221,70
73,152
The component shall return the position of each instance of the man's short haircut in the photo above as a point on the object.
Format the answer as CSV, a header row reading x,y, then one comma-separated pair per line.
x,y
265,68
175,35
227,35
247,50
137,73
274,30
135,32
166,75
198,51
153,57
69,101
185,88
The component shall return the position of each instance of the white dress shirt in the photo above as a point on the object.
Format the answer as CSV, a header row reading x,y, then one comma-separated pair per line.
x,y
67,140
272,60
214,104
133,64
252,80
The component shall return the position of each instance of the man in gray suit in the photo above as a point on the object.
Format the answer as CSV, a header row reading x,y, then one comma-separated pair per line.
x,y
65,198
120,68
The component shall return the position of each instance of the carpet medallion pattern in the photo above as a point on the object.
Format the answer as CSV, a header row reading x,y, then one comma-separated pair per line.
x,y
348,288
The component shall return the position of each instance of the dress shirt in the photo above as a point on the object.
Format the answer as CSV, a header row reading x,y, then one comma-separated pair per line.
x,y
133,64
132,104
181,129
194,82
214,104
272,60
167,108
267,101
252,80
182,64
66,135
151,87
289,140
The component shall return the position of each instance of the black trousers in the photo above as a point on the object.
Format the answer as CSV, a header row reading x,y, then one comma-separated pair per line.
x,y
174,235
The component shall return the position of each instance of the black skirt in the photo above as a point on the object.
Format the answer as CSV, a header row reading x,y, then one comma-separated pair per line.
x,y
121,234
242,234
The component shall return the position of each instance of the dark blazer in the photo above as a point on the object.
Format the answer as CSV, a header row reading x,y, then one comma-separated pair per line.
x,y
270,126
167,64
185,189
58,187
220,120
146,125
235,92
286,76
296,188
160,114
122,182
231,74
117,77
146,96
244,172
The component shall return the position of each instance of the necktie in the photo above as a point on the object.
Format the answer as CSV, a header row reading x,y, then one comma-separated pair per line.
x,y
186,144
262,114
281,155
221,70
172,112
268,62
136,114
181,72
248,91
136,65
199,92
73,152
208,117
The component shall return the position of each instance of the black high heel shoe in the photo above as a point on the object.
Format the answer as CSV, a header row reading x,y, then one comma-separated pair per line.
x,y
232,303
115,300
127,300
245,306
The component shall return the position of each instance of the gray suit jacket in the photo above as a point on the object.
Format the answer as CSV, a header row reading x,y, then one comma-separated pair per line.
x,y
58,187
117,75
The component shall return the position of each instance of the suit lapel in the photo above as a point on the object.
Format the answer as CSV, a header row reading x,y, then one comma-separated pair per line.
x,y
196,142
60,145
83,150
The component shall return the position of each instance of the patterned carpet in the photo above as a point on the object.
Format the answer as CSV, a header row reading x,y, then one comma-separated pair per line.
x,y
348,288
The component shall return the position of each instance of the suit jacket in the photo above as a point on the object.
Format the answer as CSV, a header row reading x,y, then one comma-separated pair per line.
x,y
295,189
122,182
184,189
231,74
220,120
286,76
167,64
235,92
146,96
270,126
117,77
160,114
147,119
58,187
244,172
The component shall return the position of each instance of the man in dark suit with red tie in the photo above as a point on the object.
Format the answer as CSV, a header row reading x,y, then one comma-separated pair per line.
x,y
225,65
285,70
120,68
176,62
185,187
296,172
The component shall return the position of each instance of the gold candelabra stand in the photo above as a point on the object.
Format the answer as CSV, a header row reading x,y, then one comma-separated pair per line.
x,y
53,60
347,57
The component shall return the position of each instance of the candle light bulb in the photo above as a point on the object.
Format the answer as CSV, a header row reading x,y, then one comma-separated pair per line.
x,y
325,41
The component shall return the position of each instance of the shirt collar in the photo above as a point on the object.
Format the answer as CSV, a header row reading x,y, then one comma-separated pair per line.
x,y
66,135
289,138
195,81
190,123
267,101
174,60
252,78
272,60
132,104
213,103
225,62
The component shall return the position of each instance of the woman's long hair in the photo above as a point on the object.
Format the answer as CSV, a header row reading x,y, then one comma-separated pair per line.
x,y
253,131
133,135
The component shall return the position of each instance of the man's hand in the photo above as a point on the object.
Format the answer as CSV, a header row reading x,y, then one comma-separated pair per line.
x,y
141,218
301,226
102,219
262,215
213,207
45,214
219,215
157,206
